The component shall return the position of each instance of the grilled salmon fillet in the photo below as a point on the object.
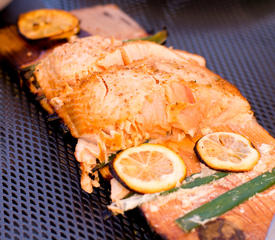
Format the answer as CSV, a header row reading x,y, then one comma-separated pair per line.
x,y
116,95
126,105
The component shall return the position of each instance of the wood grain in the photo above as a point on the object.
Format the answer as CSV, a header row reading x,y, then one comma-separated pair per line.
x,y
108,21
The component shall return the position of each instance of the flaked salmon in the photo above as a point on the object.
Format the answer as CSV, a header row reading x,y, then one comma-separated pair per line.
x,y
120,95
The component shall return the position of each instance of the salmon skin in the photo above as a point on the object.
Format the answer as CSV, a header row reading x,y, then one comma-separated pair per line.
x,y
114,95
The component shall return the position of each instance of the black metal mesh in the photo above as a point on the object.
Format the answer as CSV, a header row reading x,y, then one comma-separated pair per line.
x,y
40,195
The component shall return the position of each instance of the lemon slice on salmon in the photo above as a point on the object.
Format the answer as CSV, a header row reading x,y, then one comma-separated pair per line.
x,y
227,151
148,168
44,23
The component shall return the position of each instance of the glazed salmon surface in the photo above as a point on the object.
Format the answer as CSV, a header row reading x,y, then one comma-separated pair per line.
x,y
114,95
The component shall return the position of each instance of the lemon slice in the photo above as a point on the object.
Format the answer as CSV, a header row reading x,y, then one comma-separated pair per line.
x,y
148,168
44,23
227,151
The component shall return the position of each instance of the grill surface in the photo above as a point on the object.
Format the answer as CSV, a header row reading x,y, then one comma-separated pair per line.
x,y
40,195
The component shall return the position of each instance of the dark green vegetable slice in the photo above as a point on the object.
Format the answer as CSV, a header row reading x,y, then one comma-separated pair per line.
x,y
192,182
226,201
159,37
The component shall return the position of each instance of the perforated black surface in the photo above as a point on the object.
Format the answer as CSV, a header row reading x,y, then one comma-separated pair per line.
x,y
40,195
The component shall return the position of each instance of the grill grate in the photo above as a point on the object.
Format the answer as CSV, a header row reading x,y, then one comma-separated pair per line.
x,y
39,178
